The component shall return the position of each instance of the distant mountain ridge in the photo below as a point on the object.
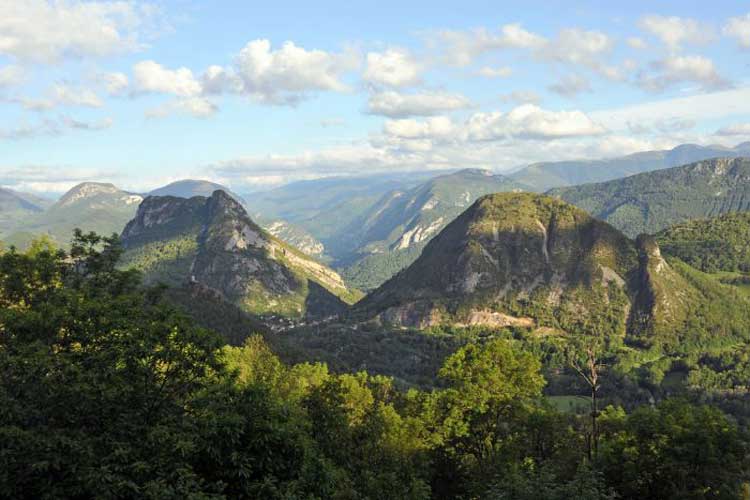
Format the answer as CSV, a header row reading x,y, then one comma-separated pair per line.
x,y
91,206
652,201
548,175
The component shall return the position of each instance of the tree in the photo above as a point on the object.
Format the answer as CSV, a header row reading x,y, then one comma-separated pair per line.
x,y
585,357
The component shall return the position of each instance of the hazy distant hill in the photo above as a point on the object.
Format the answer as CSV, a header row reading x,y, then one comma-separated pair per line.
x,y
188,188
17,207
652,201
90,206
547,175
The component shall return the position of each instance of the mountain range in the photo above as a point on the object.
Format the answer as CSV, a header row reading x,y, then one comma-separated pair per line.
x,y
652,201
543,176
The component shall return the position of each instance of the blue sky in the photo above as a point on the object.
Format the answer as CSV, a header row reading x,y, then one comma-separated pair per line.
x,y
142,93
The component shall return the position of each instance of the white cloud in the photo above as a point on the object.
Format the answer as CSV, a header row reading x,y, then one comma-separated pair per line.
x,y
51,178
150,76
739,28
522,97
576,46
50,127
461,47
285,75
737,129
60,94
571,85
678,69
198,107
531,122
394,68
676,31
636,43
115,83
47,31
438,126
11,75
501,72
71,96
397,105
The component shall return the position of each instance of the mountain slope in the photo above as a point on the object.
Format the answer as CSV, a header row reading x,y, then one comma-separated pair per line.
x,y
531,261
652,201
711,245
17,207
392,233
90,206
544,176
212,243
294,235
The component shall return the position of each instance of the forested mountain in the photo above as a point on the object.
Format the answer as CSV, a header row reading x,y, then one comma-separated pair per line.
x,y
393,231
212,243
711,245
650,202
531,261
90,206
544,176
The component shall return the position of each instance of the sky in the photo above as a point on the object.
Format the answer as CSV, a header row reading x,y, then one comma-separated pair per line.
x,y
258,94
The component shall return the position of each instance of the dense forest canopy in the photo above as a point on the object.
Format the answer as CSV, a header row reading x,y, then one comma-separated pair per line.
x,y
108,391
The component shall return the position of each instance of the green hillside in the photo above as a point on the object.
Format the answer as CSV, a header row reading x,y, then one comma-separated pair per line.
x,y
212,243
650,202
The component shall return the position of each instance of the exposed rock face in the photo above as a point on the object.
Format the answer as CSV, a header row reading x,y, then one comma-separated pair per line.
x,y
530,261
93,189
233,255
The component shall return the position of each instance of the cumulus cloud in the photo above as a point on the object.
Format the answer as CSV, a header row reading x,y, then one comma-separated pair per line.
x,y
393,68
679,69
739,28
501,72
48,31
116,83
286,75
531,122
675,31
152,77
571,86
461,47
736,129
438,126
397,105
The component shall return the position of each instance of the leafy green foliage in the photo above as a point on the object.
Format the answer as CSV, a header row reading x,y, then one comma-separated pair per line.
x,y
711,245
